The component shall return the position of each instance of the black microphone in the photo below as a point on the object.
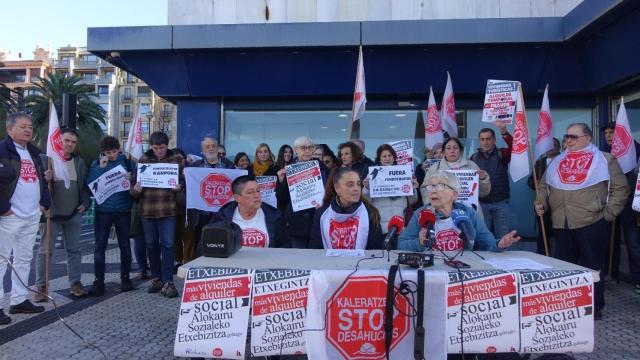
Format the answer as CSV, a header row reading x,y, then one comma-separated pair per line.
x,y
462,221
396,224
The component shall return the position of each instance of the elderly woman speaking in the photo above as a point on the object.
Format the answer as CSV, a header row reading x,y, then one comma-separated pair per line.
x,y
443,188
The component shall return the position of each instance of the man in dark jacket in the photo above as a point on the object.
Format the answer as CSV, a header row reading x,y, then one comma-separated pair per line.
x,y
262,225
116,211
23,198
299,222
68,205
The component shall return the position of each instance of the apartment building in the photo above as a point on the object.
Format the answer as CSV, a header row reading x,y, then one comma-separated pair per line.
x,y
22,74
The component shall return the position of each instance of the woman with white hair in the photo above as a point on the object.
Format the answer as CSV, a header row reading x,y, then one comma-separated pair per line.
x,y
443,188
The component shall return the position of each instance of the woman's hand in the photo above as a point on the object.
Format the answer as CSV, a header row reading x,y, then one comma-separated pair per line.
x,y
414,181
508,240
281,173
422,236
365,182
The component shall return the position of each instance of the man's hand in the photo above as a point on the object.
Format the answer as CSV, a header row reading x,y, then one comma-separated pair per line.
x,y
48,175
9,213
128,176
539,209
81,209
137,187
42,209
508,240
502,126
482,174
103,162
178,188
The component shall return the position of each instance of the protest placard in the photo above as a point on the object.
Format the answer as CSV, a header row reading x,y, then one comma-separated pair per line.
x,y
469,187
267,185
305,185
209,189
158,175
404,151
500,101
109,183
387,181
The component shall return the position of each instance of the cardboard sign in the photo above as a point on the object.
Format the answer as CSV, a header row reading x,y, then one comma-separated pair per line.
x,y
636,196
109,183
305,185
500,101
488,320
158,175
267,185
279,312
214,313
556,311
209,189
404,151
469,187
387,181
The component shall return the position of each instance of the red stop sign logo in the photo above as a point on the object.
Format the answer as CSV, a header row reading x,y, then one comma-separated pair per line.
x,y
355,324
56,143
621,141
215,189
573,169
433,121
448,240
520,134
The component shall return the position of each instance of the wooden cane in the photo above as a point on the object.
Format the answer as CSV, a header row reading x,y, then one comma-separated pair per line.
x,y
611,239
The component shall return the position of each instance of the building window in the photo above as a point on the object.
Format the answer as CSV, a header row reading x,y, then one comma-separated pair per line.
x,y
103,90
127,111
89,59
127,93
130,78
144,91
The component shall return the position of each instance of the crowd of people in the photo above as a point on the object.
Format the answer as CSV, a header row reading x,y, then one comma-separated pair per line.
x,y
166,234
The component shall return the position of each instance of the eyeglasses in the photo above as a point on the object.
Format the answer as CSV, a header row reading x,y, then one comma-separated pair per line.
x,y
573,137
306,147
438,187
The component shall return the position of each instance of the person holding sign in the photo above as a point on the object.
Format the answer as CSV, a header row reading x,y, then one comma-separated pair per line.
x,y
158,212
262,225
583,188
68,205
389,206
346,219
264,162
114,211
352,157
453,149
467,231
493,163
298,222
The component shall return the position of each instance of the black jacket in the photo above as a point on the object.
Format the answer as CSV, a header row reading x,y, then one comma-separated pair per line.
x,y
273,219
375,239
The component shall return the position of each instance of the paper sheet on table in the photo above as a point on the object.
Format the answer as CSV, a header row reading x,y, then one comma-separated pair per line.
x,y
516,264
345,252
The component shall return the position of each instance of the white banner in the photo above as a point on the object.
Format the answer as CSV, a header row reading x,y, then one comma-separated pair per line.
x,y
214,313
305,185
636,196
404,151
109,183
433,135
519,166
354,326
469,187
387,181
158,175
209,189
556,311
279,311
623,146
500,101
488,320
267,185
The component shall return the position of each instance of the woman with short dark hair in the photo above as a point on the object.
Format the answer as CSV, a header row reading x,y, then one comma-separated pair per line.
x,y
350,155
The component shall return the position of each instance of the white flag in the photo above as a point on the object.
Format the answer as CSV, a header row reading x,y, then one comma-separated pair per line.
x,y
544,134
520,167
360,92
433,136
54,148
448,105
134,141
623,146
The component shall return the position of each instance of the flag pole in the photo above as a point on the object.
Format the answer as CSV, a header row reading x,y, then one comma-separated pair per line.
x,y
613,226
355,88
535,175
47,240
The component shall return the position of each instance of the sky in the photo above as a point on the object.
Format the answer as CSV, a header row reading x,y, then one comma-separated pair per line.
x,y
27,23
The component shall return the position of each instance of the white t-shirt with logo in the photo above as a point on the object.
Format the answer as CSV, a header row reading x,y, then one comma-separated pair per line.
x,y
254,230
25,202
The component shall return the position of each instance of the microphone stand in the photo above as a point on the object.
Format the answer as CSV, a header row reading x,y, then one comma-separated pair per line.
x,y
461,252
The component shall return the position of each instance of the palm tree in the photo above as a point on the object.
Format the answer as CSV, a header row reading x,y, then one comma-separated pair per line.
x,y
8,101
90,114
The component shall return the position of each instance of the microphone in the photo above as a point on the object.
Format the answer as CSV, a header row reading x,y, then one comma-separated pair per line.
x,y
462,221
396,224
427,219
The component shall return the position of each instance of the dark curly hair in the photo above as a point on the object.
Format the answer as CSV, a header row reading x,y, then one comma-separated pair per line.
x,y
109,142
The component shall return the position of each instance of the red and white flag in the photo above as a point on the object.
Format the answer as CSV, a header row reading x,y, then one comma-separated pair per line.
x,y
433,136
519,166
448,105
134,141
623,146
360,92
544,134
54,148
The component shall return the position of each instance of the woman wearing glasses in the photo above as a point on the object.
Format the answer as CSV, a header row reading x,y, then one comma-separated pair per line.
x,y
452,150
443,188
389,206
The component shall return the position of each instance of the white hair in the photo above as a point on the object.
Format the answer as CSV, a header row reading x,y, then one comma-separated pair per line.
x,y
449,178
302,140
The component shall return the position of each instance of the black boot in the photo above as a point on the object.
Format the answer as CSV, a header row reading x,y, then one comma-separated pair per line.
x,y
97,289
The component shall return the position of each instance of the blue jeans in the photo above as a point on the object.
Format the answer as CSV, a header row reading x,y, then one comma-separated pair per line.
x,y
159,234
102,227
496,216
